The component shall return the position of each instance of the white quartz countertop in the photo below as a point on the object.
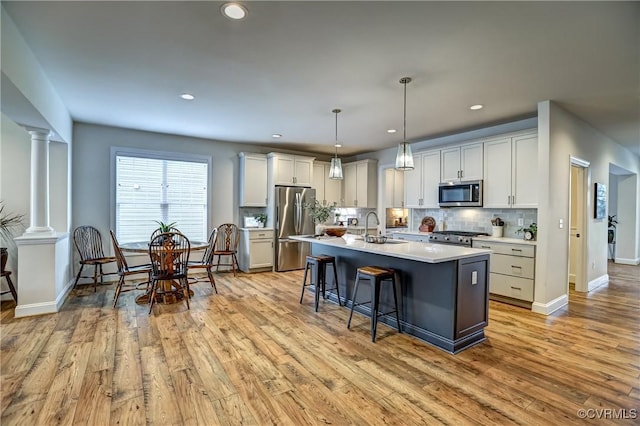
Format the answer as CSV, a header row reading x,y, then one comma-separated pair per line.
x,y
505,240
420,252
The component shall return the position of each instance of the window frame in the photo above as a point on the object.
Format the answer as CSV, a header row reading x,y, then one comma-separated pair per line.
x,y
158,155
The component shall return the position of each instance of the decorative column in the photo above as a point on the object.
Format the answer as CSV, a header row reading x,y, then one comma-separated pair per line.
x,y
39,218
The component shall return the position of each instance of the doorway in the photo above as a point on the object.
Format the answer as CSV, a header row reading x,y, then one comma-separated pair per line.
x,y
577,225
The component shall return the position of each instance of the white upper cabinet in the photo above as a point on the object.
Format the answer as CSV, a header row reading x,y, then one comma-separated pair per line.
x,y
421,183
393,188
360,184
292,170
461,163
328,191
510,172
253,180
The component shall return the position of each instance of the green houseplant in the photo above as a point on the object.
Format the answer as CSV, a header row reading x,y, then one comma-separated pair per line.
x,y
165,227
319,212
262,218
9,222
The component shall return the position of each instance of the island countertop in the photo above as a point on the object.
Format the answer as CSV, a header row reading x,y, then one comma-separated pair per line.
x,y
417,251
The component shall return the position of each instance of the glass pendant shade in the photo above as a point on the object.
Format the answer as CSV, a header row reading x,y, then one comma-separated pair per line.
x,y
404,157
335,171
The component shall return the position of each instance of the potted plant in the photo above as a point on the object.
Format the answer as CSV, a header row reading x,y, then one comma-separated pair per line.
x,y
530,232
320,212
262,218
165,227
611,232
8,223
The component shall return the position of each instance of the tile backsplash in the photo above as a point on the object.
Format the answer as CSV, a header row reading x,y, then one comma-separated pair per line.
x,y
475,219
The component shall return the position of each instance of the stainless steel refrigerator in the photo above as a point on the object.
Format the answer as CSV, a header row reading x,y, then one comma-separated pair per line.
x,y
292,218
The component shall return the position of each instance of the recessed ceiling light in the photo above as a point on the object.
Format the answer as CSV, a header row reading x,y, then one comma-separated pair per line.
x,y
276,135
187,96
234,11
338,145
476,107
391,131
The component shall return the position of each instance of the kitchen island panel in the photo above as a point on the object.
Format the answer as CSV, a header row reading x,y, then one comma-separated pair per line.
x,y
435,304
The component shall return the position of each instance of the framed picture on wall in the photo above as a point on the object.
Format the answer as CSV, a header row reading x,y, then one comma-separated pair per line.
x,y
600,201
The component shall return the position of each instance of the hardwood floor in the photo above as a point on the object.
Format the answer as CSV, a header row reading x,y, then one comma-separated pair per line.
x,y
253,355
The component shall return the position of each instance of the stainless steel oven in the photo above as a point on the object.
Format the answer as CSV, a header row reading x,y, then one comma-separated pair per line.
x,y
460,194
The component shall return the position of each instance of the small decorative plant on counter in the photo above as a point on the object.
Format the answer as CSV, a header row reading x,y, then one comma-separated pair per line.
x,y
320,213
262,218
529,233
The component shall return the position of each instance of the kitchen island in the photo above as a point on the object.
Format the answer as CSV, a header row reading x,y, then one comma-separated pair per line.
x,y
445,288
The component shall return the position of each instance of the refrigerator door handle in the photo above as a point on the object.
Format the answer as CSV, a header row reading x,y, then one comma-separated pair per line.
x,y
297,220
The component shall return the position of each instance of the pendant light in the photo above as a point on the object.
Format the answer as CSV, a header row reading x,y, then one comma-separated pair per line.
x,y
404,157
335,171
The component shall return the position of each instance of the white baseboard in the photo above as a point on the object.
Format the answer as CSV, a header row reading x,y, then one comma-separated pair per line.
x,y
44,307
622,261
35,309
550,307
601,280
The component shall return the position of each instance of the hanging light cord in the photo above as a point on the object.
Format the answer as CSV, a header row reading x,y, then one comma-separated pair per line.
x,y
404,123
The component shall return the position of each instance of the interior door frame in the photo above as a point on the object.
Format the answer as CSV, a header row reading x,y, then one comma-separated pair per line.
x,y
581,273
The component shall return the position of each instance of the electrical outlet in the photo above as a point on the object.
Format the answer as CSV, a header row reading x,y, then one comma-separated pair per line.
x,y
521,222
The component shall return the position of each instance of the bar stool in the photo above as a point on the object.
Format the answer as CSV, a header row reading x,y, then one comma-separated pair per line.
x,y
319,279
7,275
376,275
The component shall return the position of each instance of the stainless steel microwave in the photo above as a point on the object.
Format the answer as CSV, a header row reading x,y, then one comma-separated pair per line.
x,y
460,194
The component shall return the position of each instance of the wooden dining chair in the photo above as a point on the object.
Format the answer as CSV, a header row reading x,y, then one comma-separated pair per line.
x,y
88,241
124,270
207,259
159,231
169,256
227,245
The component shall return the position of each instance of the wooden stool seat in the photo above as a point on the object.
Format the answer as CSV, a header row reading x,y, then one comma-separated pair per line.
x,y
376,275
7,275
319,278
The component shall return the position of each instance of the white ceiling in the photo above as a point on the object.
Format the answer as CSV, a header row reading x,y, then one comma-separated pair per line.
x,y
288,64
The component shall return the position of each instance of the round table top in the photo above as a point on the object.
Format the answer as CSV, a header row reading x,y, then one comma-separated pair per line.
x,y
143,246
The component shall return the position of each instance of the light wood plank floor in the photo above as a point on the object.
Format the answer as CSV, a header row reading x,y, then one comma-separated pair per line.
x,y
253,355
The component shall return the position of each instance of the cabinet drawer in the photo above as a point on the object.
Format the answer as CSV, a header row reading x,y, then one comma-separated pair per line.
x,y
517,288
501,248
261,235
522,267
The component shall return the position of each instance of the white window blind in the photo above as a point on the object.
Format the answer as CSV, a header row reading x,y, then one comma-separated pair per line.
x,y
152,189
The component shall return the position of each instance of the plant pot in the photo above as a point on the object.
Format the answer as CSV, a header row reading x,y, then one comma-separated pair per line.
x,y
611,235
320,229
4,255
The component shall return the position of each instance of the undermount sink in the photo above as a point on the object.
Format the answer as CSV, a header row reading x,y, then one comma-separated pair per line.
x,y
382,240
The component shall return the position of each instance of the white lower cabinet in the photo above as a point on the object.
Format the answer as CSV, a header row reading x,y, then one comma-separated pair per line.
x,y
512,270
256,249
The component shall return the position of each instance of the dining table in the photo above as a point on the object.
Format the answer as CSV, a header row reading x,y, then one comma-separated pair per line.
x,y
171,290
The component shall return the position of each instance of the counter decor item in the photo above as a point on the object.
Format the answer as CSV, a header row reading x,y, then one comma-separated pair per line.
x,y
497,227
428,224
320,213
262,220
529,234
334,231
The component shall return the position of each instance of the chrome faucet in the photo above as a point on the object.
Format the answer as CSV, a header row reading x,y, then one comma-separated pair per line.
x,y
366,223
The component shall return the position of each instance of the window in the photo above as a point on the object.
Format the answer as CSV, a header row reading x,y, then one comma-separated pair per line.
x,y
152,187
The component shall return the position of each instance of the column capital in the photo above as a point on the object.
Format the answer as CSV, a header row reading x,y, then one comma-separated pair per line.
x,y
38,131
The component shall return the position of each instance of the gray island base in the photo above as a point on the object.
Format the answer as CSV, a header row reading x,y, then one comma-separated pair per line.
x,y
445,289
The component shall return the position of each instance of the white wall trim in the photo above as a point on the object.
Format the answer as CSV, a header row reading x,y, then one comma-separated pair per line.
x,y
45,307
600,281
549,308
623,261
